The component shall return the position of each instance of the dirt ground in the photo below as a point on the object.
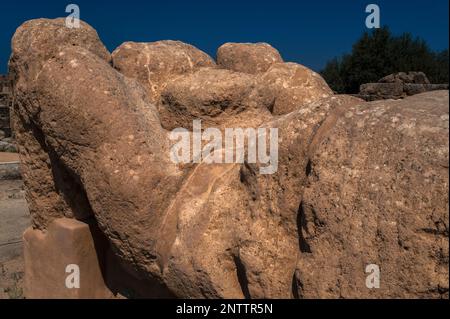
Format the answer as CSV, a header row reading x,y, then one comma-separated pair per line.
x,y
14,219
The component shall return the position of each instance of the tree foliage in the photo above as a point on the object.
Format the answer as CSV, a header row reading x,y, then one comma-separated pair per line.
x,y
379,53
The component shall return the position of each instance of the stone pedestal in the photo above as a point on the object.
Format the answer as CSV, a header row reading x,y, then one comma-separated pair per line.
x,y
50,257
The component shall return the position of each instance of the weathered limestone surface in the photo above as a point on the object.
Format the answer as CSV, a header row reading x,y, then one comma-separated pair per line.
x,y
154,64
377,193
293,86
357,183
33,44
250,58
218,97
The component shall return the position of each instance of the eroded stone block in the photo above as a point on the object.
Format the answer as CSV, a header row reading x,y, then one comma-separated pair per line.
x,y
50,256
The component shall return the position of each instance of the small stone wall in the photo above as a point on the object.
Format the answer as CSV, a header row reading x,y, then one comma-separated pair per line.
x,y
398,86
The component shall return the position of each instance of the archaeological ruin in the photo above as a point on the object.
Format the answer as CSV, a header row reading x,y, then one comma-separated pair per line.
x,y
5,104
398,86
357,184
9,166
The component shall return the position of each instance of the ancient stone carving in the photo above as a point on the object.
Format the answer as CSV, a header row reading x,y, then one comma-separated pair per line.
x,y
358,183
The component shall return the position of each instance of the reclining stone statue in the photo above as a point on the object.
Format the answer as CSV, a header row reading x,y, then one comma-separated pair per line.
x,y
357,183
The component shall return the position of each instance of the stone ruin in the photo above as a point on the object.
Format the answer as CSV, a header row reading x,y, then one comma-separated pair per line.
x,y
5,104
6,137
9,167
357,184
398,86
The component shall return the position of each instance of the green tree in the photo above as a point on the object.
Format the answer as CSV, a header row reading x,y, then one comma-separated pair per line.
x,y
379,53
441,66
333,74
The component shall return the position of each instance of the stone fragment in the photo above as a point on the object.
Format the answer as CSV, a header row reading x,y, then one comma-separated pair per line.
x,y
6,146
33,44
293,86
9,171
377,193
250,58
54,259
412,89
220,98
355,183
154,64
384,90
402,77
37,40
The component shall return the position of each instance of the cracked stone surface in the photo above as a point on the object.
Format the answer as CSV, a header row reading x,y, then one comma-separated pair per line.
x,y
357,183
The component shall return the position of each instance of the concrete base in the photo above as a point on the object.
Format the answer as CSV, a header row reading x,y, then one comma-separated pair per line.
x,y
47,254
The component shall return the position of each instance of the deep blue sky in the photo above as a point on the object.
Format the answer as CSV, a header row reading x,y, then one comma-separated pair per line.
x,y
308,32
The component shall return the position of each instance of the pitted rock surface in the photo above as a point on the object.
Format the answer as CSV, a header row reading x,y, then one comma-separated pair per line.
x,y
356,183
